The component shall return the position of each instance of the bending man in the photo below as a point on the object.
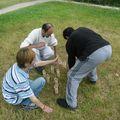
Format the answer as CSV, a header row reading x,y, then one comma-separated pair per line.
x,y
86,50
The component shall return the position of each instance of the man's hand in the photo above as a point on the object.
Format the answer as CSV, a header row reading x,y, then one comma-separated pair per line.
x,y
40,45
55,60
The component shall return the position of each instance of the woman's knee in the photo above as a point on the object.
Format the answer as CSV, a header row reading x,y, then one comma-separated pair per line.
x,y
41,81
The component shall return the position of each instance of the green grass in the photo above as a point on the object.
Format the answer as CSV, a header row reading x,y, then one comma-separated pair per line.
x,y
99,102
6,3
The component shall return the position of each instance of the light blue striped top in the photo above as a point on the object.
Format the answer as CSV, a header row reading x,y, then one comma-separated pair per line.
x,y
16,86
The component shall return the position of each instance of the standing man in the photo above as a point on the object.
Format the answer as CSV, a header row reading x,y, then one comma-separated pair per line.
x,y
86,50
40,40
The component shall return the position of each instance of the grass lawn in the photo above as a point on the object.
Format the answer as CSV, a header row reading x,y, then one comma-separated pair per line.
x,y
99,102
5,3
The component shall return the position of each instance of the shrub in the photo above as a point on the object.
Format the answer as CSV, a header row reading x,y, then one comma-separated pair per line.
x,y
102,2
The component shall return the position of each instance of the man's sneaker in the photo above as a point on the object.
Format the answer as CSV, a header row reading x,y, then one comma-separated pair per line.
x,y
29,107
62,102
93,82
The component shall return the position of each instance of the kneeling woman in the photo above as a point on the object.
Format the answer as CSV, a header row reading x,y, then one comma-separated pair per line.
x,y
17,88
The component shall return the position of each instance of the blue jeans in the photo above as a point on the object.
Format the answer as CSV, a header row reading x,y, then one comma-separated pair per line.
x,y
82,69
36,86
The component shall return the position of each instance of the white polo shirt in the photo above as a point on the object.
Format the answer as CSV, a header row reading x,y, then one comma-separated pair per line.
x,y
36,37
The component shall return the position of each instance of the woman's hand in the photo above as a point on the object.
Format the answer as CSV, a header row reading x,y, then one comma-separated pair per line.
x,y
47,109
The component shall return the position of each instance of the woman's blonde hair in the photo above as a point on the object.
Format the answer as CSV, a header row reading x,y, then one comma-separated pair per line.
x,y
24,55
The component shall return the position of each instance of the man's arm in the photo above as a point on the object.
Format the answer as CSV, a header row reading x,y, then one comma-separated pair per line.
x,y
55,51
30,40
39,45
71,61
71,54
53,42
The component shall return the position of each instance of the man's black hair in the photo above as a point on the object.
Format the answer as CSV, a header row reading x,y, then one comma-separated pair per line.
x,y
46,27
67,32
